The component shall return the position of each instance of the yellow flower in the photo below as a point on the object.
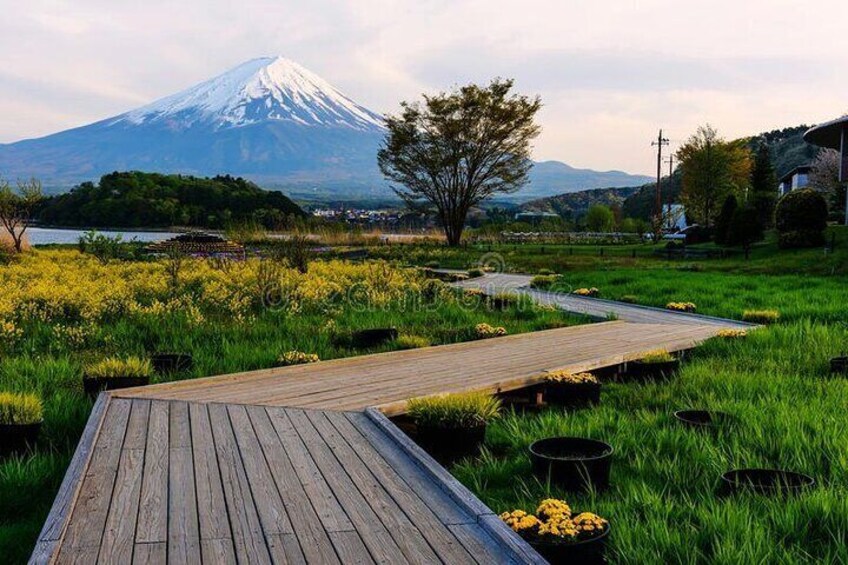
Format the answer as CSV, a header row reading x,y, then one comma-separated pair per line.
x,y
571,378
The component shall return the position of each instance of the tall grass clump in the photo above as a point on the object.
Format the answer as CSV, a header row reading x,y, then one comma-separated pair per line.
x,y
20,409
464,410
115,368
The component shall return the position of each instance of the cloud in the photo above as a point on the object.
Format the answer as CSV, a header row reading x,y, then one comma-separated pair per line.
x,y
610,72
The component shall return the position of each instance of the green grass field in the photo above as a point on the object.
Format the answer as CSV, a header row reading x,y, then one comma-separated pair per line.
x,y
662,505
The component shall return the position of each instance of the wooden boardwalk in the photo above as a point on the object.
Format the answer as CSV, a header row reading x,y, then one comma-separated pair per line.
x,y
295,465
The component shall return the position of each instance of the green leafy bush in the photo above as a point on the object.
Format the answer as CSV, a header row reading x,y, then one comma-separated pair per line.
x,y
411,341
658,356
801,218
115,368
476,273
761,316
20,409
454,410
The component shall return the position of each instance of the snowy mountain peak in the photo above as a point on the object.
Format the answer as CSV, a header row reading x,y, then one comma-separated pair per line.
x,y
265,89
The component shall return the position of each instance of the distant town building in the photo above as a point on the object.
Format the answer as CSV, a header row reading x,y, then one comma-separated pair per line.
x,y
535,217
797,178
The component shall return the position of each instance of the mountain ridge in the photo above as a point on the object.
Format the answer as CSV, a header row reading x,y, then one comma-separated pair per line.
x,y
269,120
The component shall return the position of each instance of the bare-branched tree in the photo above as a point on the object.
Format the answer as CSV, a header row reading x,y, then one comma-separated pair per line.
x,y
456,149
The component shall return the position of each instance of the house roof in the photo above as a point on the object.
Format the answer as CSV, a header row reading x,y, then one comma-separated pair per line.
x,y
801,169
828,134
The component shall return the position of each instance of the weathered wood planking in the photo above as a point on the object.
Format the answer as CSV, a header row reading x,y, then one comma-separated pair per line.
x,y
387,380
179,482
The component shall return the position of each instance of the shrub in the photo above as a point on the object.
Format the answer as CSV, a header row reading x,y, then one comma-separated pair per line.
x,y
630,299
745,228
411,342
484,331
476,273
431,264
732,334
682,306
464,410
570,378
543,282
103,247
593,292
295,357
761,316
722,224
115,368
545,272
433,288
801,218
656,356
20,409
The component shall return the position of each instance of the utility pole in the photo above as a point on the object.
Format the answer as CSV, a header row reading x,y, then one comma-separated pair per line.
x,y
670,162
659,143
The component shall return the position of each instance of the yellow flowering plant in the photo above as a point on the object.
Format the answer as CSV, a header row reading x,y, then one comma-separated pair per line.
x,y
732,333
682,306
566,377
593,292
296,358
554,522
484,330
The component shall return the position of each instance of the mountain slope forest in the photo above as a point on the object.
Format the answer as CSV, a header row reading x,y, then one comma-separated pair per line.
x,y
136,199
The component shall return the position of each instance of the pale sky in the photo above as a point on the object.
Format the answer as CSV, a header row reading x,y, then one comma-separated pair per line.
x,y
610,73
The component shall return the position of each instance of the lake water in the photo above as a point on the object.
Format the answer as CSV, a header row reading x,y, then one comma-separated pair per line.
x,y
42,236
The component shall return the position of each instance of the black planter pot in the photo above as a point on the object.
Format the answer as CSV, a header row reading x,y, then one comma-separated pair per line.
x,y
573,394
653,371
839,365
165,363
767,482
373,337
572,463
703,419
95,386
587,552
15,438
451,444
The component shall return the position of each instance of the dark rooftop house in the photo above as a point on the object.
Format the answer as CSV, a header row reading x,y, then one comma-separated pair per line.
x,y
833,134
796,179
197,243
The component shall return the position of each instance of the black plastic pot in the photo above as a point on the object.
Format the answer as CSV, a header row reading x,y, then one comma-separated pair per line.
x,y
653,371
702,419
587,552
15,438
373,337
573,394
572,463
448,444
165,363
764,481
94,386
839,365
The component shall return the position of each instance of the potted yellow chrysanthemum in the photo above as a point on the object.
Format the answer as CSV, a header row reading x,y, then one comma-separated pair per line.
x,y
560,535
564,388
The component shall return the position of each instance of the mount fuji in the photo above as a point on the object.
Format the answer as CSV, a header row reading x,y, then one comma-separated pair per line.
x,y
269,120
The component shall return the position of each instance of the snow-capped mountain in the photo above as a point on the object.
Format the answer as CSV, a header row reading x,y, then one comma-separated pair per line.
x,y
268,119
258,90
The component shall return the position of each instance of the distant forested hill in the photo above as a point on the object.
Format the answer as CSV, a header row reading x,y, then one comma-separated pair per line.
x,y
574,204
135,199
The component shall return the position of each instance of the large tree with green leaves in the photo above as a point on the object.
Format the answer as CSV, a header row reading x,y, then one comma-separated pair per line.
x,y
453,150
712,169
16,208
763,197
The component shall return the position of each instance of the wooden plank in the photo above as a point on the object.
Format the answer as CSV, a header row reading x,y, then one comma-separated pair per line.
x,y
152,526
88,518
384,489
327,507
285,548
351,548
150,553
419,480
183,527
269,504
214,525
481,545
307,525
382,547
119,534
60,512
248,540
